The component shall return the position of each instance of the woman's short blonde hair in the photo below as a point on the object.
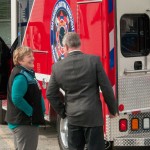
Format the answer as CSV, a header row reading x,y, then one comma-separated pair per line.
x,y
19,54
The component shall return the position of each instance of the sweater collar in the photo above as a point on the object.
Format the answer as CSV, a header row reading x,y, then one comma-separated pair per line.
x,y
27,70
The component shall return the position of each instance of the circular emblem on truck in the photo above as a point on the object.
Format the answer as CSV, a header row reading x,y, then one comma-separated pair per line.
x,y
61,23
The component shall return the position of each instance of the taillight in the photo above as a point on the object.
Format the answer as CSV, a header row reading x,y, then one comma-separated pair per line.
x,y
121,107
146,123
123,125
135,124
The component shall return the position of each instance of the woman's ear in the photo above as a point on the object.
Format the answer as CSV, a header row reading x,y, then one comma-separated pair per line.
x,y
20,62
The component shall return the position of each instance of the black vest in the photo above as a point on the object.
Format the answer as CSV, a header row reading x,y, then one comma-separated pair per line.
x,y
32,96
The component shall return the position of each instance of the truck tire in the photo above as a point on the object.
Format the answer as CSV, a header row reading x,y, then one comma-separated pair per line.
x,y
2,114
62,130
109,145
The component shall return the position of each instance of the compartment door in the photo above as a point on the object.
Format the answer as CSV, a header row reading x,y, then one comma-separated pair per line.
x,y
133,58
41,69
89,24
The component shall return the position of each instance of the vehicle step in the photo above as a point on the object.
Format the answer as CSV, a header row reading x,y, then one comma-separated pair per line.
x,y
133,140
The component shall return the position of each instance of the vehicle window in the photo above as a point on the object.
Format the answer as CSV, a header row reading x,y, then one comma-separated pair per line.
x,y
5,21
24,8
134,35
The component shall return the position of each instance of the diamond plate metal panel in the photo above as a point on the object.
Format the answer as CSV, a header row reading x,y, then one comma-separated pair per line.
x,y
133,140
134,92
140,116
108,129
140,137
112,127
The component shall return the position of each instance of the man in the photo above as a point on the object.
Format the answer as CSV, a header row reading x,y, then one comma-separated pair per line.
x,y
80,76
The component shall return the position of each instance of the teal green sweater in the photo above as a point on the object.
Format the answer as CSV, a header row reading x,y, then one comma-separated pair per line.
x,y
19,88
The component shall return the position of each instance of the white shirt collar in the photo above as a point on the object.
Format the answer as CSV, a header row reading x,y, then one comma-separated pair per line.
x,y
74,51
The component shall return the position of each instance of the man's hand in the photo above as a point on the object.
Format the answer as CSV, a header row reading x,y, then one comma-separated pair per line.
x,y
113,116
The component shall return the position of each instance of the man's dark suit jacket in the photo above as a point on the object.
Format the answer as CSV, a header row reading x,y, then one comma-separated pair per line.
x,y
80,76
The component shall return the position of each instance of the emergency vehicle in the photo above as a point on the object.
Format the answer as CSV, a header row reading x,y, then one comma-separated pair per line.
x,y
116,30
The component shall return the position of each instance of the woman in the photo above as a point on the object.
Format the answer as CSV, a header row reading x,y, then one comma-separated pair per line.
x,y
25,108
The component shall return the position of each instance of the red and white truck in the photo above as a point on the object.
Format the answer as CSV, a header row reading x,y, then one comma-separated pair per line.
x,y
116,30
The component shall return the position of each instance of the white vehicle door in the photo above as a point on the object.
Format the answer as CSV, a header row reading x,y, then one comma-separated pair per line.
x,y
133,58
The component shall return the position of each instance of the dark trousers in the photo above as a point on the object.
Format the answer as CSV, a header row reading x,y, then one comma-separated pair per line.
x,y
78,136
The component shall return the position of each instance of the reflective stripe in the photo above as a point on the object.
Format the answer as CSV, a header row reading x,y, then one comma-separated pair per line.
x,y
111,40
111,48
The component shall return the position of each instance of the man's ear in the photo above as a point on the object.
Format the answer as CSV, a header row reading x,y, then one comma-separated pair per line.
x,y
66,50
66,47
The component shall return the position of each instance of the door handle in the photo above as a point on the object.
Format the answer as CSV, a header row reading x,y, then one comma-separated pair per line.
x,y
135,71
